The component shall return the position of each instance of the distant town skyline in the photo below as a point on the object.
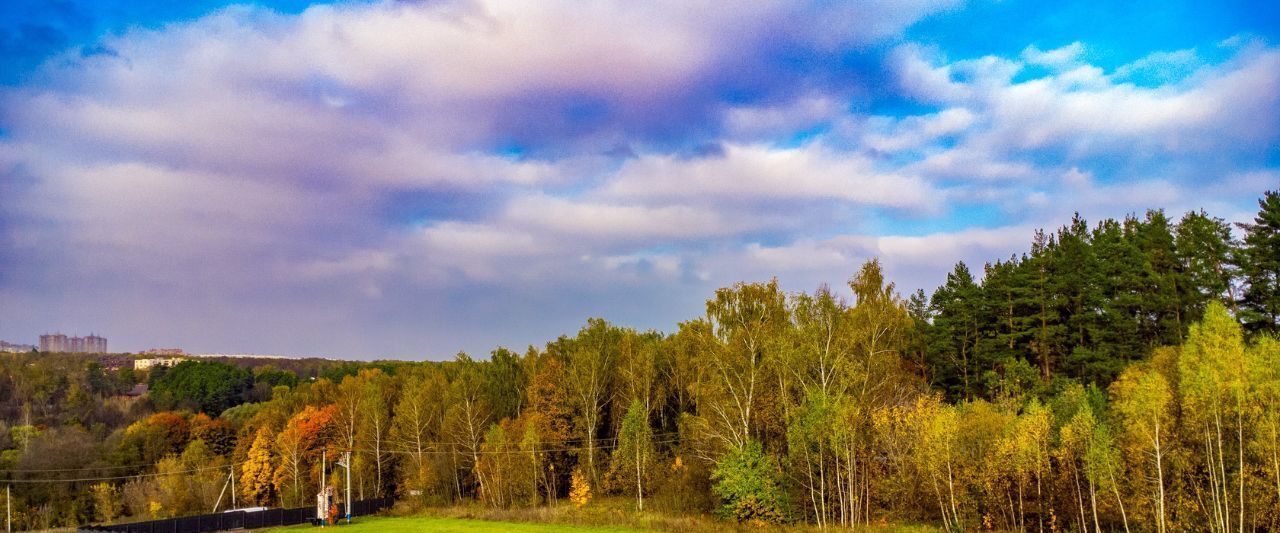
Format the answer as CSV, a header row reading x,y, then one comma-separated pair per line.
x,y
368,179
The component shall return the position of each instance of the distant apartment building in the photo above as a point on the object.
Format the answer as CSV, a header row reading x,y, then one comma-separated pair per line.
x,y
9,347
148,364
164,351
59,343
56,342
95,344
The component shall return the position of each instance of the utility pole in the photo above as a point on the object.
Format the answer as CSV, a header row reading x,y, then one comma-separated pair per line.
x,y
233,487
324,489
348,461
345,462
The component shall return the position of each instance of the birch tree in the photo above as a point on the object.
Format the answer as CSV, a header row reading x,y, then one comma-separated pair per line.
x,y
1143,402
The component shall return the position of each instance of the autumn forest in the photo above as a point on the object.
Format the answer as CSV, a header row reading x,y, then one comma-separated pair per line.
x,y
1118,375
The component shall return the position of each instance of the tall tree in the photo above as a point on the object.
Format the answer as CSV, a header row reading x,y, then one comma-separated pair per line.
x,y
1259,260
956,331
417,425
1165,283
255,472
1144,401
1214,380
466,420
590,379
635,456
1043,299
1204,247
740,349
376,401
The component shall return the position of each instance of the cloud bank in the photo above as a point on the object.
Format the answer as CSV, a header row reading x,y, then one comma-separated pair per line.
x,y
412,179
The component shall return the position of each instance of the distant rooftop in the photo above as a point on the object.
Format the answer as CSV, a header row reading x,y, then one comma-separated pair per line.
x,y
260,356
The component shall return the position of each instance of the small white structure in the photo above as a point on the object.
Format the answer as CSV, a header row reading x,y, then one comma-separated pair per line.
x,y
324,500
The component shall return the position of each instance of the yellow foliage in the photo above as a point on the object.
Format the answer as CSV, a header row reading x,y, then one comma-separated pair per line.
x,y
579,489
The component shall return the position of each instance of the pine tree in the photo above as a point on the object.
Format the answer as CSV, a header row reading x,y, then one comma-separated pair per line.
x,y
1164,317
1204,248
1259,259
1044,298
1117,340
1076,282
955,333
1005,312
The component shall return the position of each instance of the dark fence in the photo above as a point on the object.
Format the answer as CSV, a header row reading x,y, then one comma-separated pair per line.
x,y
237,519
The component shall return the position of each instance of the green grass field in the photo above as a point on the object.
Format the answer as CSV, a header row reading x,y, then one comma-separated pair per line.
x,y
416,524
394,524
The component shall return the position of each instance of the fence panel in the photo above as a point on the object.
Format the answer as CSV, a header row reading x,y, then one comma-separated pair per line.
x,y
237,519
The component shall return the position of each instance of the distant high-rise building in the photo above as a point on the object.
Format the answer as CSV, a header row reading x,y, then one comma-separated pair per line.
x,y
59,343
54,343
95,344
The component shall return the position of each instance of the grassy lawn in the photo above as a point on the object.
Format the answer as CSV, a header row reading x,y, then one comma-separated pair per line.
x,y
543,522
423,523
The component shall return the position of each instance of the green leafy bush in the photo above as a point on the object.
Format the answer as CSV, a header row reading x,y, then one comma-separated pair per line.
x,y
746,483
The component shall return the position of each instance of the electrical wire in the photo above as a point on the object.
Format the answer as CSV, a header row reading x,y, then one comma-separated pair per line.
x,y
116,478
390,451
402,443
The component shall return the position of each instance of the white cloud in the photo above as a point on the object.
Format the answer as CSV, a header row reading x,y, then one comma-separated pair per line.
x,y
911,133
1079,108
1160,67
1058,58
757,172
769,121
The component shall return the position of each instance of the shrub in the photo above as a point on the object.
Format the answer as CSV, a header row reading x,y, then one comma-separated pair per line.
x,y
579,489
746,483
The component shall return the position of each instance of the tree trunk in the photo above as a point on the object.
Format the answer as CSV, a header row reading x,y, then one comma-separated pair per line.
x,y
1075,475
1115,487
1240,451
1159,475
1222,471
639,477
951,492
1093,503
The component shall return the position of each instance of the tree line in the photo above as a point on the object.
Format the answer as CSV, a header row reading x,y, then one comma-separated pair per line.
x,y
1119,376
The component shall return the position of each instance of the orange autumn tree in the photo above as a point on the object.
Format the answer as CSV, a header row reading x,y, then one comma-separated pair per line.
x,y
298,445
151,439
217,433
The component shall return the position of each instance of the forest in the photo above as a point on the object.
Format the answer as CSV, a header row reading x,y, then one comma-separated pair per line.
x,y
1120,375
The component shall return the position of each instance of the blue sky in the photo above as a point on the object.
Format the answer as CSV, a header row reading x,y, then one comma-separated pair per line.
x,y
410,179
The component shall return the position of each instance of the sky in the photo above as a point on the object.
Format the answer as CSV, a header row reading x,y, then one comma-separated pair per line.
x,y
382,179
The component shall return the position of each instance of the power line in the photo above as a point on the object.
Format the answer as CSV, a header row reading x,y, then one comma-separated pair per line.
x,y
116,478
516,451
82,469
404,452
8,471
